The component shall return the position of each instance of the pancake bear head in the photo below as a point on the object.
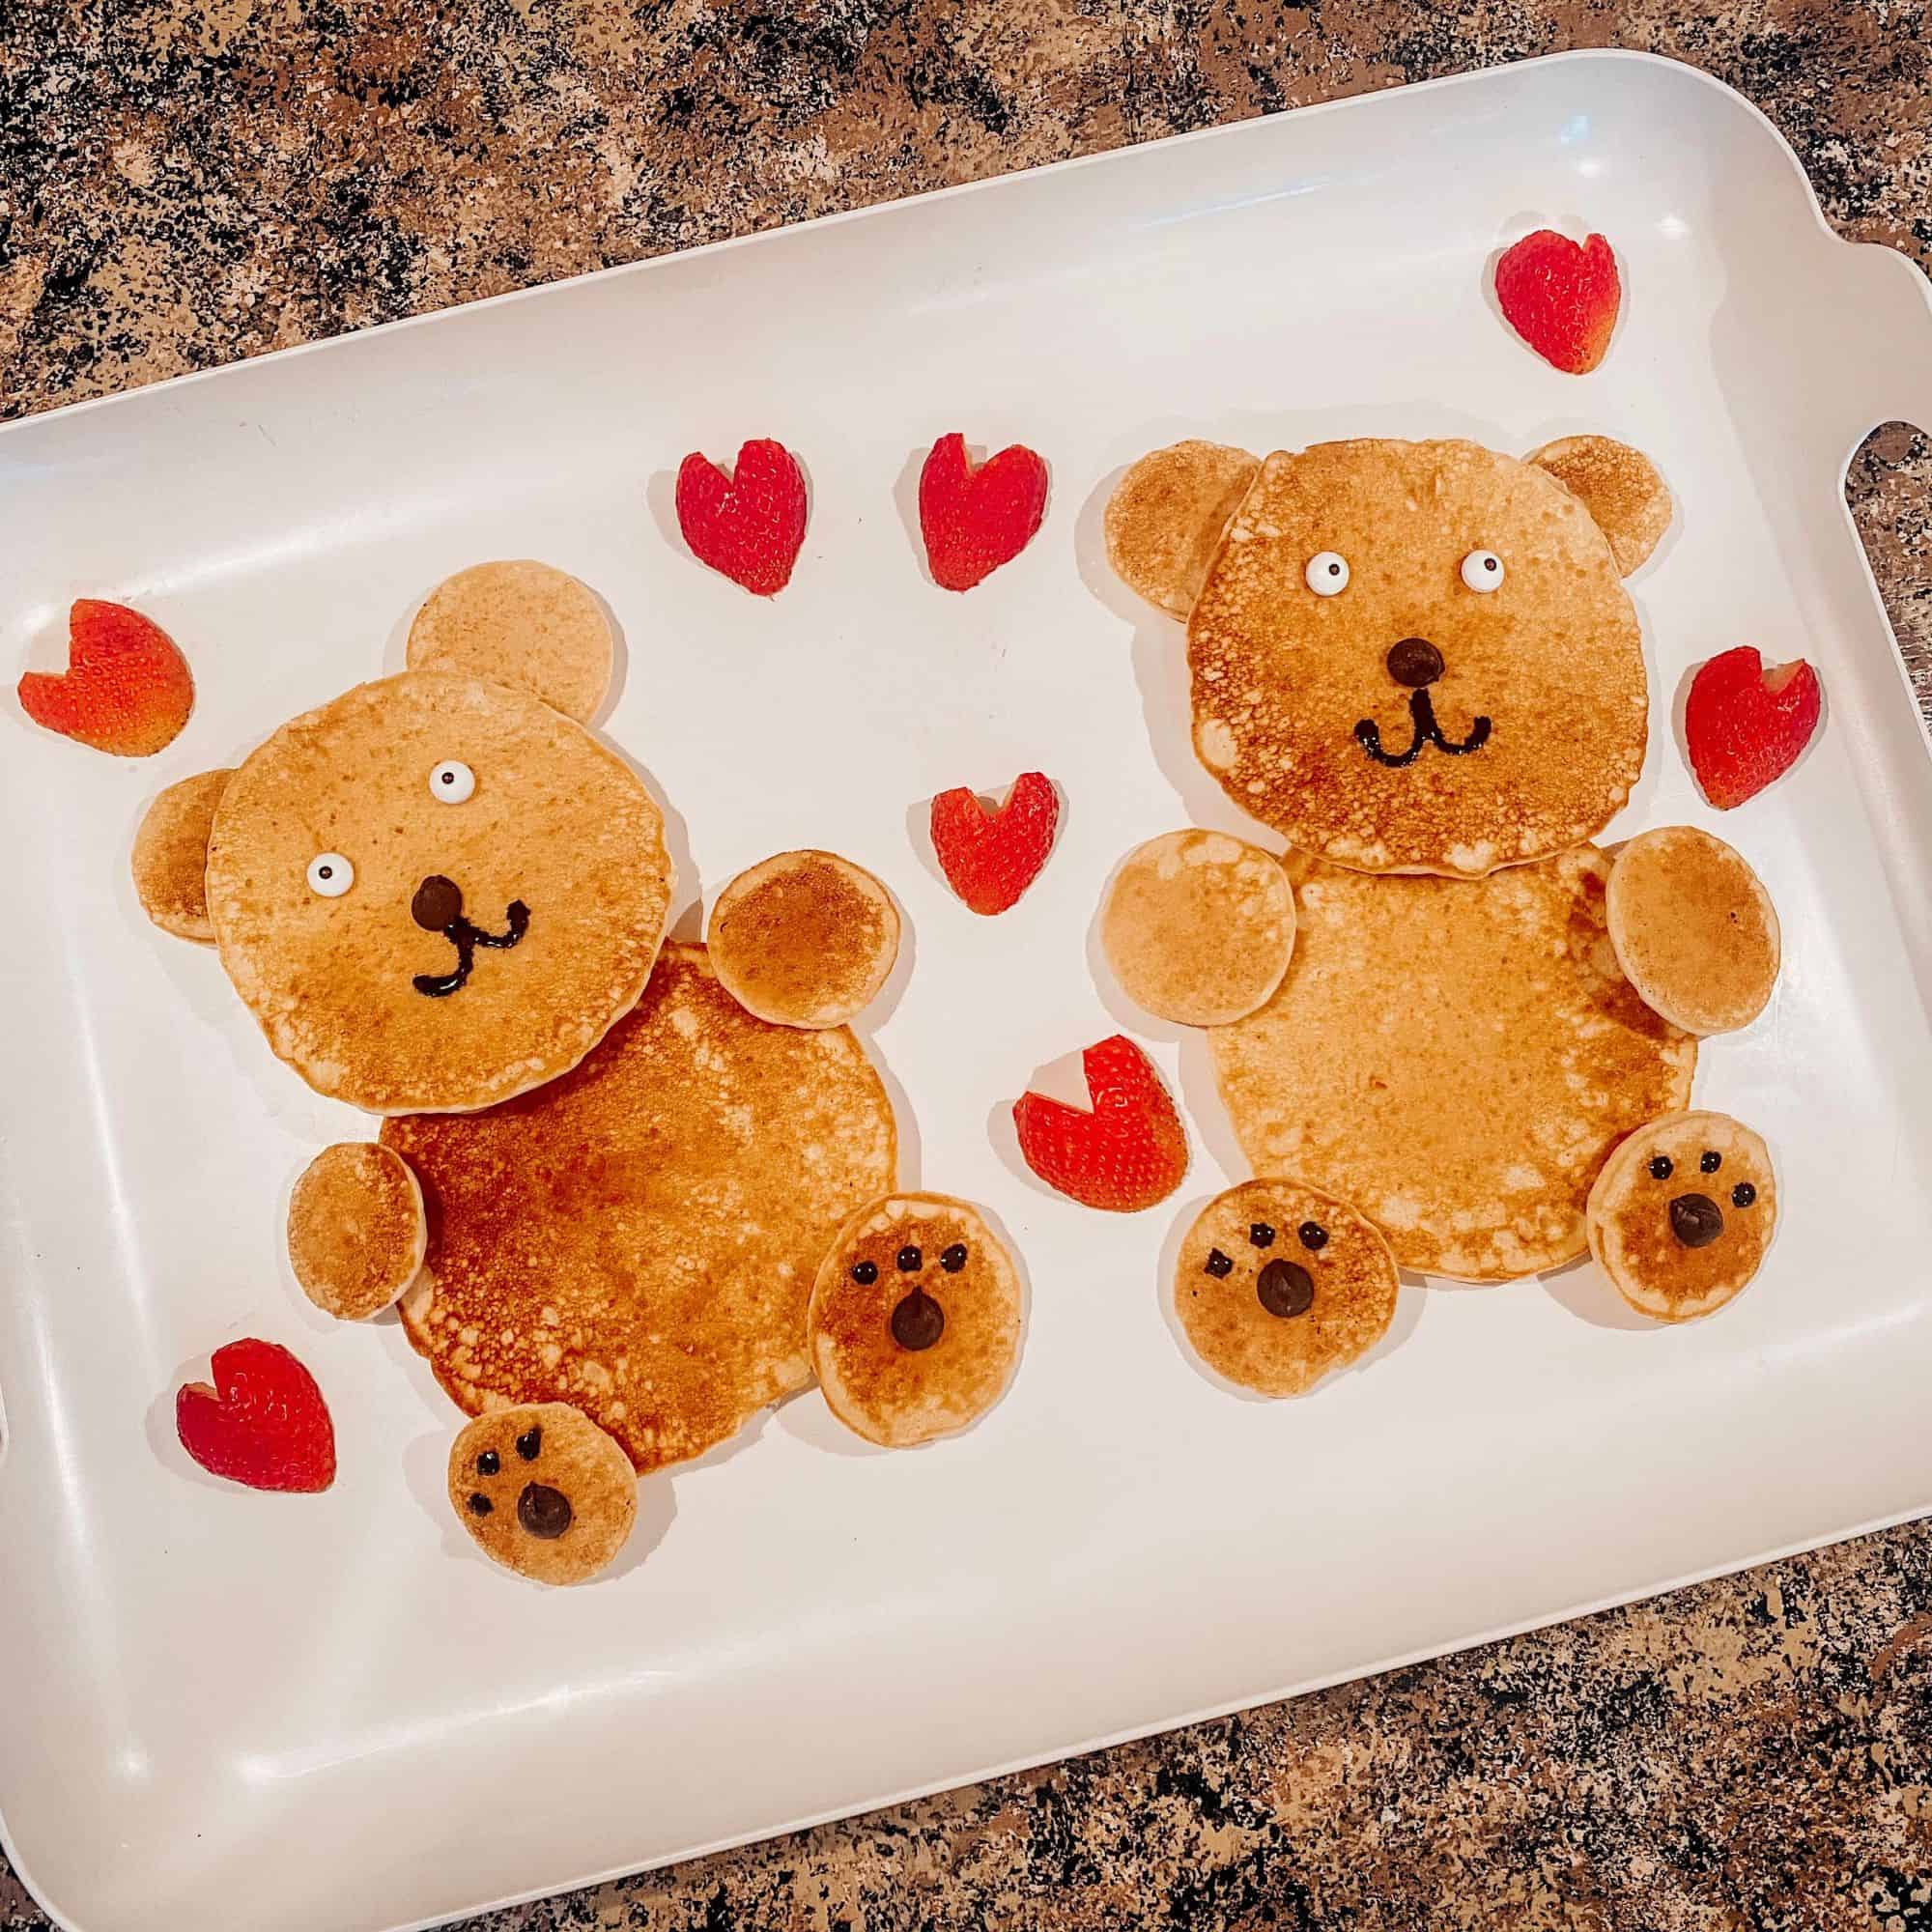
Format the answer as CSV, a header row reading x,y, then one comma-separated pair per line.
x,y
436,891
1408,657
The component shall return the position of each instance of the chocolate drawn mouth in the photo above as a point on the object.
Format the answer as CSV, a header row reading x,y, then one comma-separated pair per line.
x,y
1369,735
466,938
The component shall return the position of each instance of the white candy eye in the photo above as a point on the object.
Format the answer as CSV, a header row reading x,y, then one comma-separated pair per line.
x,y
452,781
1327,573
1482,570
331,875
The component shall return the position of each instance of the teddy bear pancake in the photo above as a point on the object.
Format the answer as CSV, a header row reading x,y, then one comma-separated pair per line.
x,y
1277,1285
356,1230
915,1319
543,1491
1681,1214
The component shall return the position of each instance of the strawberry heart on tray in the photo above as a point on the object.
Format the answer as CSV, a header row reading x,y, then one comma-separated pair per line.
x,y
747,526
263,1424
1125,1153
990,858
974,520
126,688
1561,298
1745,725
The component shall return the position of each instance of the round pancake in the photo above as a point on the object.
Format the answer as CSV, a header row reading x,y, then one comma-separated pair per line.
x,y
1457,1059
1683,1212
555,821
357,1231
524,624
806,939
1166,516
915,1319
1198,928
1277,1285
171,855
543,1491
1283,677
1620,486
1695,931
639,1238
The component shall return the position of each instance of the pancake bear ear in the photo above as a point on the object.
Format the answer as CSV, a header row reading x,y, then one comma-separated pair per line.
x,y
1166,516
524,624
171,855
1619,486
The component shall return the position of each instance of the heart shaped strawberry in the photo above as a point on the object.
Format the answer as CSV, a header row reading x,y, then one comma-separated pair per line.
x,y
264,1423
990,858
1745,725
747,526
1560,299
974,519
1127,1153
126,688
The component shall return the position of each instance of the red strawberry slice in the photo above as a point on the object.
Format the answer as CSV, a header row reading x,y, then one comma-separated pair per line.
x,y
1560,299
1127,1153
1745,725
974,519
126,688
264,1423
990,858
750,526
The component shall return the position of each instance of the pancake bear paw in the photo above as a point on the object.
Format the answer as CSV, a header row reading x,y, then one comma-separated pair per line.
x,y
543,1491
357,1229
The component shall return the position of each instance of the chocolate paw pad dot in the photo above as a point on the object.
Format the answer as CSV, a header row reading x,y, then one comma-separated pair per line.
x,y
915,1319
806,939
1681,1214
543,1491
356,1230
1278,1285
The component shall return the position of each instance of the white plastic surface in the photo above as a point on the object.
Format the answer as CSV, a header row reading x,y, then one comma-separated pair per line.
x,y
230,1710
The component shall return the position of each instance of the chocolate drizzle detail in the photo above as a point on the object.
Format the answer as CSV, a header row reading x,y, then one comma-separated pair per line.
x,y
1422,714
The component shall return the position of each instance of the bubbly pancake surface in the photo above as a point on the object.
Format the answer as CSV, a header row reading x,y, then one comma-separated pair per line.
x,y
522,623
805,939
1456,1058
170,859
640,1238
1166,514
356,1228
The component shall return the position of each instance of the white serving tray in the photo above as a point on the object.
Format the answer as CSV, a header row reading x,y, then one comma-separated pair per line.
x,y
230,1710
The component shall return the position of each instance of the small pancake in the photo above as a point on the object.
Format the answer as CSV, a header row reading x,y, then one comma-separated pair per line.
x,y
1286,681
357,1231
1198,928
1457,1058
524,624
1166,516
1683,1212
171,855
543,1491
1620,487
1695,931
554,822
638,1237
806,939
915,1319
1277,1285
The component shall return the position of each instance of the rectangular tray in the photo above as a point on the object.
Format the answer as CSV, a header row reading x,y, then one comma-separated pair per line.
x,y
229,1710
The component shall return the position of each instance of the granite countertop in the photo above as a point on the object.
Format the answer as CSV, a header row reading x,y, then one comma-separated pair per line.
x,y
186,181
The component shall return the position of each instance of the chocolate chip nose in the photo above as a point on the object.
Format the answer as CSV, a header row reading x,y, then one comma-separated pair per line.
x,y
1284,1288
1696,1220
438,903
1414,662
543,1511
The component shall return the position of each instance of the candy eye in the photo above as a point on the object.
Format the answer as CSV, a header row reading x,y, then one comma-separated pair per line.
x,y
331,875
1482,570
1327,573
452,781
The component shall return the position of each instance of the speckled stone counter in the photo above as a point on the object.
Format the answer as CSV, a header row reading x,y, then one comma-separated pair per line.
x,y
186,181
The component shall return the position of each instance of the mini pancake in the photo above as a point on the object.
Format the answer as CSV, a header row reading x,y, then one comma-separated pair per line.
x,y
915,1319
1457,1058
524,624
806,939
1198,928
543,1491
356,1231
1683,1212
1166,514
1620,486
1412,722
171,855
553,822
1277,1285
1695,930
639,1238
